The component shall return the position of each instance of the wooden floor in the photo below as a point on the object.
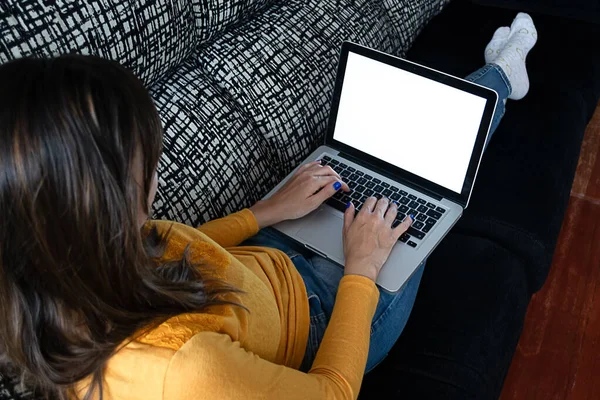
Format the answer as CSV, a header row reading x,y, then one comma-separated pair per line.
x,y
558,357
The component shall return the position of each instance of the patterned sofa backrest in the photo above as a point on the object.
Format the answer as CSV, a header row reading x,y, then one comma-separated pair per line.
x,y
147,36
214,17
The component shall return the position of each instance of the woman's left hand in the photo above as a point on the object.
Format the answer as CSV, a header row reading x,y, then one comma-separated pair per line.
x,y
306,190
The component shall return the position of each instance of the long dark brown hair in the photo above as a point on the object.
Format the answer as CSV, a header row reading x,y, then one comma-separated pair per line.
x,y
77,275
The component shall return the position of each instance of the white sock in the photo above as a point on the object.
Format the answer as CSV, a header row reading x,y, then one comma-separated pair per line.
x,y
492,50
511,59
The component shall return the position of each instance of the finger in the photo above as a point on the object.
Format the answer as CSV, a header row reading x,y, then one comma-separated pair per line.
x,y
403,227
325,171
326,189
307,166
369,205
382,206
391,213
348,216
325,179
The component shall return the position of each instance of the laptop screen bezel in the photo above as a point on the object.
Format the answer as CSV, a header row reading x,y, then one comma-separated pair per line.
x,y
391,170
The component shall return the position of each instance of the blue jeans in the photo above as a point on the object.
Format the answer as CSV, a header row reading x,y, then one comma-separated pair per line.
x,y
322,277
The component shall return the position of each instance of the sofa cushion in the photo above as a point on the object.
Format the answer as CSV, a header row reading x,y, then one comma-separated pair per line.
x,y
214,158
462,332
149,36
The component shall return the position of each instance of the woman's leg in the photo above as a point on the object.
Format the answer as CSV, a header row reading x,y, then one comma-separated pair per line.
x,y
493,77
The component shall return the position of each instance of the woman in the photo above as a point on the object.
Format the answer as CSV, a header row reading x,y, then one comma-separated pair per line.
x,y
99,302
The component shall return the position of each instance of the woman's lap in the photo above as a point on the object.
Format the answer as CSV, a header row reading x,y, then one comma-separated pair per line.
x,y
321,278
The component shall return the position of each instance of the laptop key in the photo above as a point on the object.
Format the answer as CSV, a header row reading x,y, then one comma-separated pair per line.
x,y
370,184
339,195
361,181
411,243
416,233
396,223
352,185
395,196
413,204
434,214
360,173
395,189
378,196
368,192
376,180
422,209
387,192
403,193
400,216
412,212
412,197
368,176
418,225
431,205
334,162
404,238
343,165
345,174
421,217
351,169
426,228
421,201
363,199
356,195
440,209
346,199
385,185
378,188
352,177
404,200
403,209
359,188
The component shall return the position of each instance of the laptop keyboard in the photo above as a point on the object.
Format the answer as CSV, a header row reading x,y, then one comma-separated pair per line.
x,y
363,186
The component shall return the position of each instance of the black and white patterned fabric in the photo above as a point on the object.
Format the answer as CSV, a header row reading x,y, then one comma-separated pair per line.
x,y
214,17
243,87
149,37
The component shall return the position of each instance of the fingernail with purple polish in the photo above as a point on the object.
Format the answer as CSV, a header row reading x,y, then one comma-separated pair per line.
x,y
412,217
337,185
348,205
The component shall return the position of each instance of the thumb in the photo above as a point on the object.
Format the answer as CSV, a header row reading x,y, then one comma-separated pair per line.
x,y
348,216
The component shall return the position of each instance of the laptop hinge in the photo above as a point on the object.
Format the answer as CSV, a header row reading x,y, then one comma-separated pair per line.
x,y
391,176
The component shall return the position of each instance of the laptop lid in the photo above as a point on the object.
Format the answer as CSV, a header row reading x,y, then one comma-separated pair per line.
x,y
409,122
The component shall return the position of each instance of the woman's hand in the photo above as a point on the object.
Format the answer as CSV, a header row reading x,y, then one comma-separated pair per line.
x,y
306,190
369,236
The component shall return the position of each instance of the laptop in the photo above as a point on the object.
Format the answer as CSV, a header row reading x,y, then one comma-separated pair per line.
x,y
404,131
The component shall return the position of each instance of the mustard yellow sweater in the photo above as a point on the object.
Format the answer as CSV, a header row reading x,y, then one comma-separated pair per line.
x,y
227,352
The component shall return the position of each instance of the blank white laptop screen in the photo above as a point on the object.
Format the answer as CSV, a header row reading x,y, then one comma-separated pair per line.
x,y
414,123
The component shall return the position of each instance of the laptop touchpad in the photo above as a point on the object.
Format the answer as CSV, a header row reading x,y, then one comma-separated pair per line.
x,y
324,233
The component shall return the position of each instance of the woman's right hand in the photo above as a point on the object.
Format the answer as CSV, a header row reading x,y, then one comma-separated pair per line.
x,y
369,236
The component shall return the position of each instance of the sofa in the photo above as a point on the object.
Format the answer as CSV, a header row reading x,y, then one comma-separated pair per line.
x,y
243,89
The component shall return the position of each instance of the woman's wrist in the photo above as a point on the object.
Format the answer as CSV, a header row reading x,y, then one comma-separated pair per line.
x,y
265,214
365,269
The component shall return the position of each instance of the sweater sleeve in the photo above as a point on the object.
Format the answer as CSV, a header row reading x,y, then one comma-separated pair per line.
x,y
211,365
231,230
